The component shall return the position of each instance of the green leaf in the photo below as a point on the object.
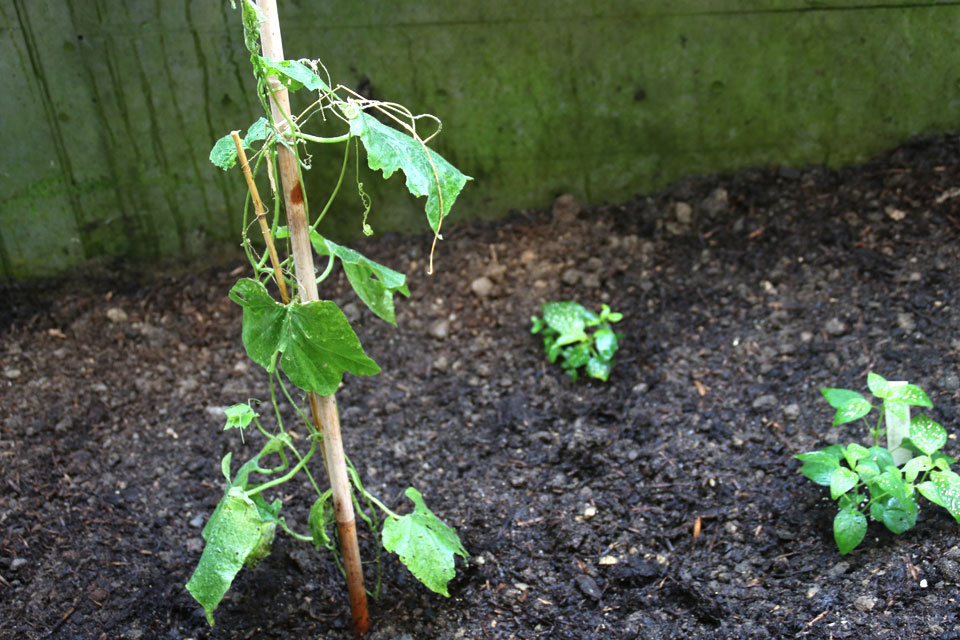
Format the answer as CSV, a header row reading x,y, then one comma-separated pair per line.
x,y
912,395
252,19
900,509
374,283
867,470
820,465
576,356
841,481
605,341
224,152
428,174
292,74
565,317
926,435
899,516
234,532
878,385
882,457
322,517
915,466
225,465
897,408
425,544
852,410
840,397
316,340
943,488
854,452
599,368
849,528
263,321
239,416
320,345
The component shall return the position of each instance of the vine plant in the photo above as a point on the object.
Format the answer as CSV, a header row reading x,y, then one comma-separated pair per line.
x,y
309,344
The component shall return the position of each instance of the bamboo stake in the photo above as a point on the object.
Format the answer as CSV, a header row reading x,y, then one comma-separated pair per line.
x,y
324,408
261,212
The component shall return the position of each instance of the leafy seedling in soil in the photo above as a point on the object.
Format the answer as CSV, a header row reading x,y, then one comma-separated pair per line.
x,y
564,328
867,482
308,343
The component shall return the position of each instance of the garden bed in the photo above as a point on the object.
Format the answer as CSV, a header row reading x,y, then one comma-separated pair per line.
x,y
742,295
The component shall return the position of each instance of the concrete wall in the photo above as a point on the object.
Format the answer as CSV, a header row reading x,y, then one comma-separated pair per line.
x,y
109,107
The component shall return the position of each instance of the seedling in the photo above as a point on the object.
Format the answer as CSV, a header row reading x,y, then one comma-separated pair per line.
x,y
564,327
867,481
308,343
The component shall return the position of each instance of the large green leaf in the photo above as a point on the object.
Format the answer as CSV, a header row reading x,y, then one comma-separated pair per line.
x,y
263,321
319,346
316,340
566,318
235,533
425,544
389,150
841,481
374,283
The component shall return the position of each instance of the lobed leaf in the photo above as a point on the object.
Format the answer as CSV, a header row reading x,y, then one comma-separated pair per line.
x,y
425,544
374,283
239,416
428,174
316,340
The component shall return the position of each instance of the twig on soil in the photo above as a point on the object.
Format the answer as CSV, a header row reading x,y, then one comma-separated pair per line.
x,y
817,619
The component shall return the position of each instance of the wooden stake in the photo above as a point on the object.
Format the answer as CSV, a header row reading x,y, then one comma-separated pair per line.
x,y
324,408
261,212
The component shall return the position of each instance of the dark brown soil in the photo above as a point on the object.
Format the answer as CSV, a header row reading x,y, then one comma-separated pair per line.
x,y
577,501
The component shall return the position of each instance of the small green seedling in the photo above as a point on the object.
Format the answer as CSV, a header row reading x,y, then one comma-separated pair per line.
x,y
867,482
564,326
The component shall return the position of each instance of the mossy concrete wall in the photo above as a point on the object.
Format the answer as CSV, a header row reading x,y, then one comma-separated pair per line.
x,y
109,108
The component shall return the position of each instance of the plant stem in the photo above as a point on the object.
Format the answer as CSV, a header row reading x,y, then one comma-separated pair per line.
x,y
324,408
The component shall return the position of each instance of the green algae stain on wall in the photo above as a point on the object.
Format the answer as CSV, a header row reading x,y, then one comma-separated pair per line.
x,y
116,107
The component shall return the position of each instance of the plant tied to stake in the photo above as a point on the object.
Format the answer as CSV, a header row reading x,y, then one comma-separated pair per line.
x,y
867,481
308,343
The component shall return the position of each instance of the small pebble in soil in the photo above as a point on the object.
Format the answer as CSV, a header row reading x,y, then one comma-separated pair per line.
x,y
440,329
566,209
906,322
865,603
792,411
589,586
835,327
17,563
765,402
482,286
12,373
571,277
116,315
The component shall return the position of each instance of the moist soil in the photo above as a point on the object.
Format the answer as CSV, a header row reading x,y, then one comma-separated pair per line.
x,y
664,503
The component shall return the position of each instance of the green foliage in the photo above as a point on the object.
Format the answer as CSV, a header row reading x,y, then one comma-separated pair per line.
x,y
564,327
311,344
424,543
867,482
